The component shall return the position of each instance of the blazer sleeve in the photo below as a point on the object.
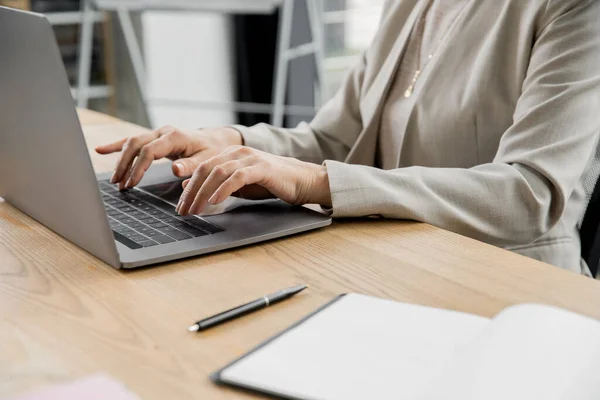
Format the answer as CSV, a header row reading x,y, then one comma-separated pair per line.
x,y
523,193
330,135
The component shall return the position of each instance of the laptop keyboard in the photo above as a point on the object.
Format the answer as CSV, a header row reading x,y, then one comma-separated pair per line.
x,y
139,220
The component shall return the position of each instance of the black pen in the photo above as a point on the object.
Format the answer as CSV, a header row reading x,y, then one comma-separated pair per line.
x,y
255,305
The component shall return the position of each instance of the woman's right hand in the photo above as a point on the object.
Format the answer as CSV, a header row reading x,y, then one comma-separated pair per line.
x,y
186,148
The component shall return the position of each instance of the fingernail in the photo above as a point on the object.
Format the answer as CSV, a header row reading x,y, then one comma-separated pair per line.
x,y
113,178
180,206
213,199
178,167
129,183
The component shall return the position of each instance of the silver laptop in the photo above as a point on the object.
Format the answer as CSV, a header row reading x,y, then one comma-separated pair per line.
x,y
46,172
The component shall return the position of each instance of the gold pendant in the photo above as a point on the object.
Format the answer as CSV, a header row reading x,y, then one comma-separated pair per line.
x,y
409,91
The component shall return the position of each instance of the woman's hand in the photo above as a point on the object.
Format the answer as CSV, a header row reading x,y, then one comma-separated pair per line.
x,y
253,174
187,148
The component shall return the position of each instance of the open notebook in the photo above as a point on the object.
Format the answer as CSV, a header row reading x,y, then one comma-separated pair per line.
x,y
361,347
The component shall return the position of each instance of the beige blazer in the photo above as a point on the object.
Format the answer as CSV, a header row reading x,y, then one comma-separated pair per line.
x,y
503,125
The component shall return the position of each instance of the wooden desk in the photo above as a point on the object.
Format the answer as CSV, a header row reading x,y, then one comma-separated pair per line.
x,y
65,314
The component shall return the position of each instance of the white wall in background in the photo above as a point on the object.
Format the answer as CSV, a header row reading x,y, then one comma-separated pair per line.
x,y
188,57
362,24
361,19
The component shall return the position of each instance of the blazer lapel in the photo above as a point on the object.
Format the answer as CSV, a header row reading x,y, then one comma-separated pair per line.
x,y
376,94
371,102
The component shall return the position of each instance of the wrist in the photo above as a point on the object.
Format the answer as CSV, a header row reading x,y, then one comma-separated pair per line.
x,y
232,136
321,192
223,136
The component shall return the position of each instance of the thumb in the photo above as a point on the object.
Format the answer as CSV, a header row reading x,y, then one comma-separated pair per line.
x,y
184,167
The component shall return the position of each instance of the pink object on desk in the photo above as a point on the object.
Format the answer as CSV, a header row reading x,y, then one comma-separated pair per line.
x,y
95,387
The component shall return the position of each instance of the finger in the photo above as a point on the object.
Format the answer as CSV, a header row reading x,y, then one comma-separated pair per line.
x,y
111,147
155,150
122,184
242,177
218,175
185,183
185,166
130,150
201,174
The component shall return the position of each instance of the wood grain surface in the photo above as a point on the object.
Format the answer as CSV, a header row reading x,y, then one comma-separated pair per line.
x,y
65,314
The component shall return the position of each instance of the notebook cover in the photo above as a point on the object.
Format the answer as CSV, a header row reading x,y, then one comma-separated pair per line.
x,y
216,376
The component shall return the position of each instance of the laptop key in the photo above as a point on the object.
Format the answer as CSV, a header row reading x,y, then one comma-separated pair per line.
x,y
136,225
148,217
126,241
182,226
148,243
163,216
151,234
122,218
171,221
144,230
138,238
199,223
136,214
157,224
171,211
163,239
154,201
155,212
166,207
175,234
195,232
128,233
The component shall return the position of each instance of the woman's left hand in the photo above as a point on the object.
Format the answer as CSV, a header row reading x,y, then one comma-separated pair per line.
x,y
252,174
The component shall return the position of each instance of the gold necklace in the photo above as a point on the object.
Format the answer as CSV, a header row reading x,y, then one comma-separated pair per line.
x,y
409,91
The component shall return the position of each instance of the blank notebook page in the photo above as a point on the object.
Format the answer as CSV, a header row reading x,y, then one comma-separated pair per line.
x,y
528,352
359,347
